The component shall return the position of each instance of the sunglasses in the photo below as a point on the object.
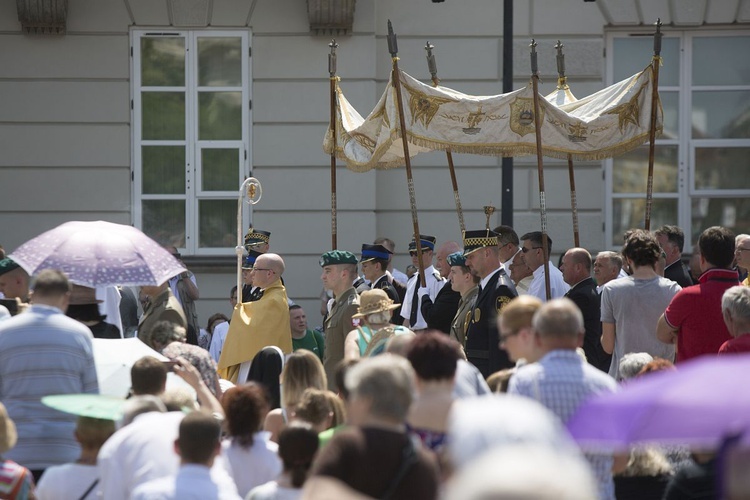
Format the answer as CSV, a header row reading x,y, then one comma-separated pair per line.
x,y
527,250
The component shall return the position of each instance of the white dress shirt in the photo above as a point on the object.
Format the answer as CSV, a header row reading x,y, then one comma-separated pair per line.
x,y
557,284
433,284
192,481
217,340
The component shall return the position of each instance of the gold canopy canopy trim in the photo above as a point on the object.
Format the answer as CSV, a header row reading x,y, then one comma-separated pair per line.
x,y
605,124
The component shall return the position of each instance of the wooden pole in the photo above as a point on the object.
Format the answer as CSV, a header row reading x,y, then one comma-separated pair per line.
x,y
655,61
432,65
562,84
393,49
333,78
540,166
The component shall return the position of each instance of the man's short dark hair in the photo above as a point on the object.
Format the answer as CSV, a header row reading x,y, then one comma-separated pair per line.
x,y
535,237
233,292
148,376
674,235
505,235
199,437
51,283
717,246
382,262
386,242
294,307
642,248
433,356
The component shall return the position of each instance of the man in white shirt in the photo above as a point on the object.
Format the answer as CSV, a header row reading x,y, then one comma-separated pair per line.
x,y
534,255
433,282
198,444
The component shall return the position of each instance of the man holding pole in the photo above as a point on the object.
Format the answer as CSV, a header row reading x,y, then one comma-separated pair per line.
x,y
410,310
495,291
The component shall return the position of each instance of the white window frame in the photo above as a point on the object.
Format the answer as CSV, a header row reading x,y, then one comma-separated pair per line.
x,y
193,146
686,189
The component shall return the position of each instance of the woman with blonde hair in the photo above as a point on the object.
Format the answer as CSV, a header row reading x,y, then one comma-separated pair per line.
x,y
514,328
303,370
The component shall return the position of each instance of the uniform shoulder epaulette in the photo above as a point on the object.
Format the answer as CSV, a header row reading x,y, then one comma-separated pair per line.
x,y
437,275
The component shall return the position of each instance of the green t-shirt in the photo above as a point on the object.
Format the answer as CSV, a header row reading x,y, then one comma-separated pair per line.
x,y
312,341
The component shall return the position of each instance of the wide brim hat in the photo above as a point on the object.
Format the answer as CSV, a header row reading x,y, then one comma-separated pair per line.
x,y
87,405
8,435
374,301
425,240
372,252
82,295
482,238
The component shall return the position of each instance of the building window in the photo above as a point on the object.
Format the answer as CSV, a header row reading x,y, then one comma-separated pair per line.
x,y
702,160
191,136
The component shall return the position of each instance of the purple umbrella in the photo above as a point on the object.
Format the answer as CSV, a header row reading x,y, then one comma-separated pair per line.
x,y
697,405
99,253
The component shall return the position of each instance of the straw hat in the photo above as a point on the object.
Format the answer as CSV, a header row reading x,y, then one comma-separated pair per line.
x,y
8,436
374,301
81,295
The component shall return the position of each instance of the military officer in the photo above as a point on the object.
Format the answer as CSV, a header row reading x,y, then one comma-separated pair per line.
x,y
374,262
250,293
339,271
495,291
467,284
257,240
410,310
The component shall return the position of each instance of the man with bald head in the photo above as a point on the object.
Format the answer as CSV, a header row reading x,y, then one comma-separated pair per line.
x,y
261,323
440,313
576,271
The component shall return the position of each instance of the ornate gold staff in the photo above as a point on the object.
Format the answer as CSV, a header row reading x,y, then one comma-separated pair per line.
x,y
393,49
562,84
334,80
655,61
488,211
251,192
432,66
540,164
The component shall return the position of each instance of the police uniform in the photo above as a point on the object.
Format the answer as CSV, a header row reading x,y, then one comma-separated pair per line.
x,y
439,314
338,323
380,253
251,293
410,310
495,291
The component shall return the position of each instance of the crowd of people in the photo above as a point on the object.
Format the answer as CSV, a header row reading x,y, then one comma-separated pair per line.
x,y
394,396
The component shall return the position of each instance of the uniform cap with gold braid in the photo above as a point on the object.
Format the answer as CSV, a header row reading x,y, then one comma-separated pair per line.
x,y
474,240
257,237
428,243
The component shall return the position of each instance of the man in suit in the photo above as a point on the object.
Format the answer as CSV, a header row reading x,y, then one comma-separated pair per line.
x,y
495,291
576,271
339,272
672,240
374,263
162,306
440,313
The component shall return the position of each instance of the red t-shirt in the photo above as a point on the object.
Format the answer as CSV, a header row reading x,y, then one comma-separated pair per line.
x,y
696,312
736,345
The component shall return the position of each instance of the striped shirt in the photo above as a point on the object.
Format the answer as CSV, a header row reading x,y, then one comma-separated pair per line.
x,y
562,381
43,352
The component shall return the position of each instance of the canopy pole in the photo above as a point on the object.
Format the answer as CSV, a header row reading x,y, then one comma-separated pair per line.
x,y
432,65
655,62
251,192
540,165
562,84
393,49
334,81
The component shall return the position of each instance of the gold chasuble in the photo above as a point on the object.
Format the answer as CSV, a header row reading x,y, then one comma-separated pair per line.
x,y
254,326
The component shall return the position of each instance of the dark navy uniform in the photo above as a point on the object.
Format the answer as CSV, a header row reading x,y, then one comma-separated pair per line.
x,y
439,315
384,284
482,338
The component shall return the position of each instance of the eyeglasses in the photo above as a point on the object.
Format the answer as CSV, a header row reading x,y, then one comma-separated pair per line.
x,y
739,249
526,250
260,269
505,337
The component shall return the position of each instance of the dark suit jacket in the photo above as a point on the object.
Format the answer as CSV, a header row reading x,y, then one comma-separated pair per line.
x,y
482,339
679,273
439,315
390,290
589,302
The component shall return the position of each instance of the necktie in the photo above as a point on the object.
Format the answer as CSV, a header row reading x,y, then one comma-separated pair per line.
x,y
414,304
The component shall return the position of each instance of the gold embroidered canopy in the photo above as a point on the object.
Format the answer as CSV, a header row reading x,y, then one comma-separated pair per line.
x,y
607,123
